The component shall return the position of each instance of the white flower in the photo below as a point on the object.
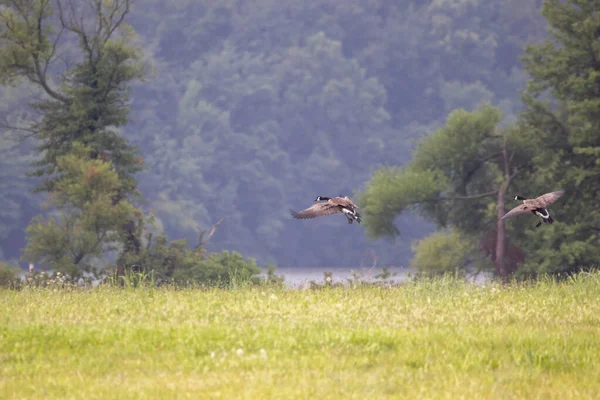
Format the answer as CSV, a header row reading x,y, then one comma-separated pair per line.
x,y
212,354
239,352
263,353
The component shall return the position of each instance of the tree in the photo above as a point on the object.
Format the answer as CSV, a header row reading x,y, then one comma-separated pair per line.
x,y
452,180
85,91
87,223
563,114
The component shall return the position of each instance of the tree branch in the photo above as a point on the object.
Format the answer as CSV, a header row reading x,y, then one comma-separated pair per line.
x,y
41,73
478,165
34,72
55,43
201,243
76,28
121,18
5,125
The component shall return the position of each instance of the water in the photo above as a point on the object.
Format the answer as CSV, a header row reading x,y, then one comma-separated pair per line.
x,y
298,276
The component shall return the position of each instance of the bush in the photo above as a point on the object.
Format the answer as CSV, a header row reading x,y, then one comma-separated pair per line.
x,y
173,262
442,253
9,276
225,268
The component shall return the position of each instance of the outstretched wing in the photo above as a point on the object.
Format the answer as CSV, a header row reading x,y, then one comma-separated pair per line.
x,y
344,202
316,210
549,198
518,210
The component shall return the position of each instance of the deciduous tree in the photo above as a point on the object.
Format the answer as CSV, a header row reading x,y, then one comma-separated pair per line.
x,y
458,178
84,91
86,222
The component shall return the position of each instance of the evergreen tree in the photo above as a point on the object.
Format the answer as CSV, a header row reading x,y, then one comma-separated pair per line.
x,y
563,114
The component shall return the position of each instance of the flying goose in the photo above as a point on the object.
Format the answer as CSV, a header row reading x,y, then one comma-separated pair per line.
x,y
331,206
536,206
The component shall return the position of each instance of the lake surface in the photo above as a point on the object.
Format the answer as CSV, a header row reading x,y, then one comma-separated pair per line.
x,y
297,276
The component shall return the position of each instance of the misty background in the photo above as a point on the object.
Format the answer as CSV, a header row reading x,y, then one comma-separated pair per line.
x,y
255,107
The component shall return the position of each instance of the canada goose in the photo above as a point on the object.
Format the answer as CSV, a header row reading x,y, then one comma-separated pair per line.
x,y
537,206
333,205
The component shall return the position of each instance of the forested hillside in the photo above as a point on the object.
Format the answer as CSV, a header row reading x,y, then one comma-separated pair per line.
x,y
254,107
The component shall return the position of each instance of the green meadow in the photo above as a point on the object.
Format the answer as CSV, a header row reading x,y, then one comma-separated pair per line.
x,y
440,339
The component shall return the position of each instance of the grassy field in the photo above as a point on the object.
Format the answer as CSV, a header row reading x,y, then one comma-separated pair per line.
x,y
442,339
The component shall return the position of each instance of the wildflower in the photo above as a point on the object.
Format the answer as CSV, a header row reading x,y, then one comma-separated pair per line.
x,y
263,353
239,352
212,354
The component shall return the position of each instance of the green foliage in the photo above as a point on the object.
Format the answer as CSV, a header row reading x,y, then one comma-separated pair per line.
x,y
565,131
87,108
9,275
452,180
173,262
442,252
391,191
251,102
250,125
225,268
87,222
89,104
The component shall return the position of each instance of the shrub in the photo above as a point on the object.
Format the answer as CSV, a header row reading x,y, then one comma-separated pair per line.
x,y
9,276
173,262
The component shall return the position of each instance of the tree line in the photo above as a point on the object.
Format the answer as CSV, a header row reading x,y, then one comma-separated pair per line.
x,y
240,107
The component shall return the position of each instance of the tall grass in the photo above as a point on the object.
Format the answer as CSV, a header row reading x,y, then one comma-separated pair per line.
x,y
440,338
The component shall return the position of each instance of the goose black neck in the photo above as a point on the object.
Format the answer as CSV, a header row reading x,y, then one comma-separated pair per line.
x,y
517,197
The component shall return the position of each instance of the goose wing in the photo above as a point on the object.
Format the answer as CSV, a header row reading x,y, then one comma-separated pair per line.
x,y
518,210
316,210
549,198
344,202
